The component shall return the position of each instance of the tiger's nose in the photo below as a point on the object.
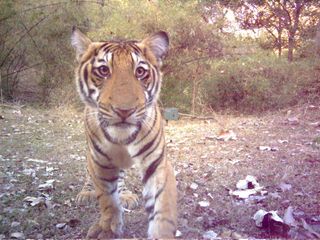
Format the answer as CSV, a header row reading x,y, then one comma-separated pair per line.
x,y
124,113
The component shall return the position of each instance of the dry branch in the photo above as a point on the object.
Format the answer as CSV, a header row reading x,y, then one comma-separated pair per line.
x,y
197,117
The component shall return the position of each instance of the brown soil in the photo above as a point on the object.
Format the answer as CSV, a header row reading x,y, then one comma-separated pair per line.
x,y
56,137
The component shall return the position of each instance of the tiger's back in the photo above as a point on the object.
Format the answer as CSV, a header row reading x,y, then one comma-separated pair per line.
x,y
120,84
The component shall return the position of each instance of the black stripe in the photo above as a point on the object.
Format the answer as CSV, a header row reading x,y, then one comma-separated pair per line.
x,y
153,215
113,191
153,78
85,74
153,124
136,48
113,179
81,86
98,149
152,168
146,146
106,47
155,147
169,221
108,167
160,191
91,92
150,209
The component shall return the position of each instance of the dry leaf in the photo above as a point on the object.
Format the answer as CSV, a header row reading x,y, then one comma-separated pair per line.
x,y
34,201
285,187
307,227
227,135
288,217
48,185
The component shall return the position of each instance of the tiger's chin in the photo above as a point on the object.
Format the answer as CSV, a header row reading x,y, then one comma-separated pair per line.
x,y
122,133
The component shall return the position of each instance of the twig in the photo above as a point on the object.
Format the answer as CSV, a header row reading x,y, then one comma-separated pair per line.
x,y
11,106
196,117
22,70
20,39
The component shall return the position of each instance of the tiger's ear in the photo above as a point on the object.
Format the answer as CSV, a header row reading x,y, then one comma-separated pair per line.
x,y
79,41
158,43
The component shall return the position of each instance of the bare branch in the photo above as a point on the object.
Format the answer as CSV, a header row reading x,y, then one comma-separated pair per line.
x,y
20,39
22,70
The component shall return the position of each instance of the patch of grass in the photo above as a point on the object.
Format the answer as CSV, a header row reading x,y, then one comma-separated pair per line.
x,y
261,81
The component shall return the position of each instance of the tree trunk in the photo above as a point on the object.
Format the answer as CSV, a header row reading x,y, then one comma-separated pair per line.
x,y
293,28
279,42
290,46
194,90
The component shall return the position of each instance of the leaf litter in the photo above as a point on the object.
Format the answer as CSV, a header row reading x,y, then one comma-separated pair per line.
x,y
199,157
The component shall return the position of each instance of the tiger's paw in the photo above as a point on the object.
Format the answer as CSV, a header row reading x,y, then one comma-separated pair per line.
x,y
97,232
85,197
129,200
105,229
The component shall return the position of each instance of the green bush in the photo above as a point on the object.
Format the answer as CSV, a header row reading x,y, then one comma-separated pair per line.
x,y
260,82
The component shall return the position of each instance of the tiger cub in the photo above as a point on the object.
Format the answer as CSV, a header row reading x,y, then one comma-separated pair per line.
x,y
119,82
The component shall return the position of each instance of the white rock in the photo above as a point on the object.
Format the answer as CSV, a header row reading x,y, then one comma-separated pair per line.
x,y
15,224
264,148
17,235
209,235
194,186
285,187
204,204
60,225
178,233
242,184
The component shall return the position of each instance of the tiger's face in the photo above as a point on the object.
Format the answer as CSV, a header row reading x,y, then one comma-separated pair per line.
x,y
121,80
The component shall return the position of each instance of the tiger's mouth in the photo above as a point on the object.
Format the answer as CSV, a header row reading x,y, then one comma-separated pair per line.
x,y
106,122
123,124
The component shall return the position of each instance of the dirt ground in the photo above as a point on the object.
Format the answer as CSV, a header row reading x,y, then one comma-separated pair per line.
x,y
42,169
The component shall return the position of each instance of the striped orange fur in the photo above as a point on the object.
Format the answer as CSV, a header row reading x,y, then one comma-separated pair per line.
x,y
119,82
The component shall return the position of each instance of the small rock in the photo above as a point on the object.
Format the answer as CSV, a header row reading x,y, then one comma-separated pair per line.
x,y
17,235
60,225
39,236
194,186
285,187
204,204
264,148
315,219
15,224
209,235
293,120
178,233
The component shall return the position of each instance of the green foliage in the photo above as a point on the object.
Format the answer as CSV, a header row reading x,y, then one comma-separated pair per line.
x,y
260,82
204,67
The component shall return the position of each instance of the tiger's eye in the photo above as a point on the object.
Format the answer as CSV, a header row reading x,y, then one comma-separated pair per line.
x,y
140,72
104,71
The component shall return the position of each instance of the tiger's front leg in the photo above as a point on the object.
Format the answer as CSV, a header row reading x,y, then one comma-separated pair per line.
x,y
105,180
160,196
